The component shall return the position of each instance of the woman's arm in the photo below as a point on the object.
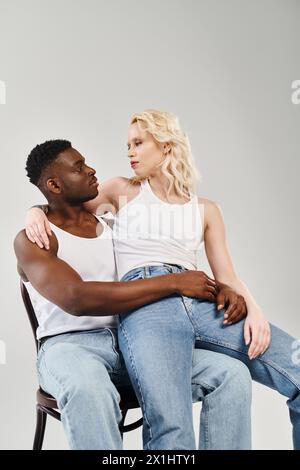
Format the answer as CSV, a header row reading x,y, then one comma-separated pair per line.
x,y
217,252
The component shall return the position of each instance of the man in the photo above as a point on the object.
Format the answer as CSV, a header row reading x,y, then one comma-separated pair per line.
x,y
77,299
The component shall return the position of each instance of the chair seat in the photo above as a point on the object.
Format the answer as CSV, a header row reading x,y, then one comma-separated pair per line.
x,y
45,399
128,400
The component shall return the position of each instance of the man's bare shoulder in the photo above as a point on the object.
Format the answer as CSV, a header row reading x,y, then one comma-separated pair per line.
x,y
24,248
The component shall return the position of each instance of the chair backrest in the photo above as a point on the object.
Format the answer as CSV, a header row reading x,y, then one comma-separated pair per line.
x,y
30,312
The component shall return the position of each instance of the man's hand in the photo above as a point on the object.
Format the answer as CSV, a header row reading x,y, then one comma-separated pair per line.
x,y
235,303
196,284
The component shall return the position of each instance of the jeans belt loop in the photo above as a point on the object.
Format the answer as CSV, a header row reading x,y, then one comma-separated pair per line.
x,y
170,268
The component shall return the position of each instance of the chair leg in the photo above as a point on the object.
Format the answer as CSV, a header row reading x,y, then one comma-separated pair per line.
x,y
41,418
124,413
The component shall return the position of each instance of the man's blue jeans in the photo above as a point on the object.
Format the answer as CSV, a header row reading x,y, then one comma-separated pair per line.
x,y
167,329
85,370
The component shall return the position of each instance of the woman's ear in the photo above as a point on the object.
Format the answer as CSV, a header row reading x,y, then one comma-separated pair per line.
x,y
167,148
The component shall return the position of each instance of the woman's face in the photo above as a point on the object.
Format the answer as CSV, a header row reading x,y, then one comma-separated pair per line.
x,y
144,152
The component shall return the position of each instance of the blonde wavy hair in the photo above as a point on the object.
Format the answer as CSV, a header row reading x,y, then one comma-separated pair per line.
x,y
178,165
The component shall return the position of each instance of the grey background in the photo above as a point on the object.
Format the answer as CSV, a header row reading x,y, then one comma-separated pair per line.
x,y
78,69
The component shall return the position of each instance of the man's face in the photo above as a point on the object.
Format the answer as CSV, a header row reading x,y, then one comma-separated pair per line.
x,y
76,182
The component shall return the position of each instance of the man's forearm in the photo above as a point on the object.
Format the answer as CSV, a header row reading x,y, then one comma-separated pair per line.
x,y
112,298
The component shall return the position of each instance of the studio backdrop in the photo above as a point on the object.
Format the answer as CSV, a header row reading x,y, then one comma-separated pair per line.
x,y
78,69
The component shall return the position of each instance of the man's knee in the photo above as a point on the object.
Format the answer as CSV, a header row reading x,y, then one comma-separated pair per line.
x,y
91,386
238,379
218,370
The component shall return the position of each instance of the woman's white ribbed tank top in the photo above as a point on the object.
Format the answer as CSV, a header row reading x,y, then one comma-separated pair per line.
x,y
148,231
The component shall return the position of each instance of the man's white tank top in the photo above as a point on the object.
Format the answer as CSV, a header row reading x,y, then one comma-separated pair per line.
x,y
93,259
148,231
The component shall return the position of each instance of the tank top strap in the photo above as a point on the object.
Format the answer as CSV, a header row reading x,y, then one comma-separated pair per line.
x,y
144,184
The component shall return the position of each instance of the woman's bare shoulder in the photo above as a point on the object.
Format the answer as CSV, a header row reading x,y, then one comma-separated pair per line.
x,y
120,190
120,183
116,182
122,186
210,210
209,204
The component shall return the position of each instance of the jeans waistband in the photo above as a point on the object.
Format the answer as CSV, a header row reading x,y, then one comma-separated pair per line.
x,y
94,330
147,271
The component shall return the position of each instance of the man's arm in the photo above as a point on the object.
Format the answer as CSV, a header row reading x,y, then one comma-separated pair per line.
x,y
55,280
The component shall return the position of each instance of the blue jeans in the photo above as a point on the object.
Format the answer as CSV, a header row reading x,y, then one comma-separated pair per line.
x,y
158,345
85,372
176,321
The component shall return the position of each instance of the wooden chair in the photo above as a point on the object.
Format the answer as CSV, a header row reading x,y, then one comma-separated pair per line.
x,y
46,404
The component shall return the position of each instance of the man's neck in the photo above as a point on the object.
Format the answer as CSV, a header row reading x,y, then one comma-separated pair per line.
x,y
65,214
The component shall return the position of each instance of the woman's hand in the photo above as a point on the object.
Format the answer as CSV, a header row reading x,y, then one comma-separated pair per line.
x,y
257,333
37,227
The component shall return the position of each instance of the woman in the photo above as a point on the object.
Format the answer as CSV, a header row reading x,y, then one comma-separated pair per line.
x,y
159,225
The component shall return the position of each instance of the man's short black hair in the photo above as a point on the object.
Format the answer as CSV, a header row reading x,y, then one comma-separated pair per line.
x,y
42,155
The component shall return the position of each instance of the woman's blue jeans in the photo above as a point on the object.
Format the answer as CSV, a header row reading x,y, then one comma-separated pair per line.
x,y
157,342
158,345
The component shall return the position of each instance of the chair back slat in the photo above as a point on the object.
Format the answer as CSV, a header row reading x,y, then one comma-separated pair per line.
x,y
30,311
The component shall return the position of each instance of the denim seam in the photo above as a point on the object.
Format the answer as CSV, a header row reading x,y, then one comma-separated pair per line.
x,y
115,369
206,428
272,364
61,388
207,386
188,312
137,379
205,407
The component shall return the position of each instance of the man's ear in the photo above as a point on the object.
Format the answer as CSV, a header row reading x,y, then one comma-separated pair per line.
x,y
53,185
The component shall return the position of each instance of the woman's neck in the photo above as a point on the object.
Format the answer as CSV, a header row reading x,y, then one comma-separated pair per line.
x,y
159,184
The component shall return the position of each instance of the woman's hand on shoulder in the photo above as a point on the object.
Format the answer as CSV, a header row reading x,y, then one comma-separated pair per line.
x,y
37,227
